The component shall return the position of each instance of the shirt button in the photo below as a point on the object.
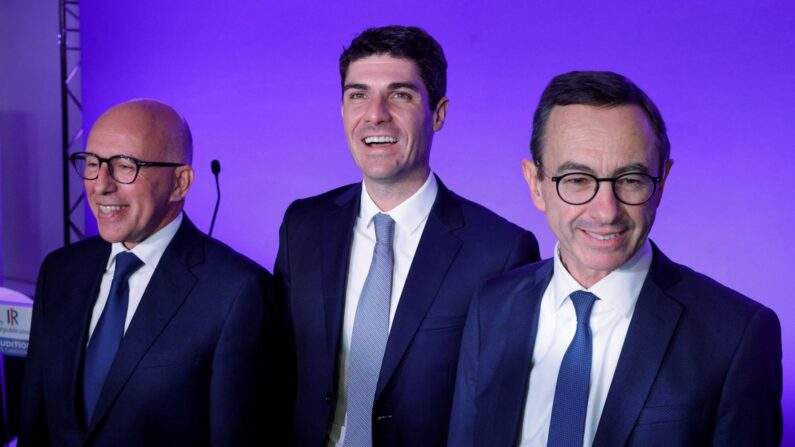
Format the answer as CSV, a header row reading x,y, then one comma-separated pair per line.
x,y
328,397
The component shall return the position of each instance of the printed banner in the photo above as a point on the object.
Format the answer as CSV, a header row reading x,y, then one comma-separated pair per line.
x,y
14,328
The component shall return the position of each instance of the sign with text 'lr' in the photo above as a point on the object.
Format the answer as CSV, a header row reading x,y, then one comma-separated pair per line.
x,y
15,316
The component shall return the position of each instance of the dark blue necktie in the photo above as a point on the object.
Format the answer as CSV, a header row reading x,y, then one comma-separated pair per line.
x,y
370,334
108,332
567,426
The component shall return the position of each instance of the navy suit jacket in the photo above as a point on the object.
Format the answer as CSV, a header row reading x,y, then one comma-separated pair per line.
x,y
190,368
462,245
701,364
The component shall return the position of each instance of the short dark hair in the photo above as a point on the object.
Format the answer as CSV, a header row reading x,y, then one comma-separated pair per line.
x,y
600,89
404,42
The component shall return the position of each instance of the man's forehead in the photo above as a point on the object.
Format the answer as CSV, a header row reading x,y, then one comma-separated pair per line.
x,y
625,119
588,134
119,138
598,162
382,66
112,135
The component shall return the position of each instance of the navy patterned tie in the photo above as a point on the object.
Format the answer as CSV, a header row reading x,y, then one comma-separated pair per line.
x,y
567,426
370,333
108,332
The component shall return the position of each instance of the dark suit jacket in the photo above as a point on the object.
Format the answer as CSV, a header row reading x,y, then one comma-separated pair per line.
x,y
701,364
190,368
462,245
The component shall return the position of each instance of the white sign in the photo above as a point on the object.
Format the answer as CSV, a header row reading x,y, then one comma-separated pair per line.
x,y
16,311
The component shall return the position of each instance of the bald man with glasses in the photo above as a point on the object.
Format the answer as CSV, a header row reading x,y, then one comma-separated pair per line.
x,y
152,333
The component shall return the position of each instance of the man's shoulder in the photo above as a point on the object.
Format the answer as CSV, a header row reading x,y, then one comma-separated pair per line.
x,y
75,251
481,217
701,294
219,259
516,290
519,279
222,255
325,201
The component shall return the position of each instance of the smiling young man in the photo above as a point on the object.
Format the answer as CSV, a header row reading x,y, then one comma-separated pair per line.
x,y
378,275
152,333
611,343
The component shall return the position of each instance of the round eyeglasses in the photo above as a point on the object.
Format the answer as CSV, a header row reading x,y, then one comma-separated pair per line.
x,y
121,168
632,188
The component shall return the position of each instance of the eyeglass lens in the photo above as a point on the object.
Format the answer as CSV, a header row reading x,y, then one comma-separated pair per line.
x,y
122,169
632,189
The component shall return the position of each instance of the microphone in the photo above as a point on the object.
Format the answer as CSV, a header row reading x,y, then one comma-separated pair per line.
x,y
215,167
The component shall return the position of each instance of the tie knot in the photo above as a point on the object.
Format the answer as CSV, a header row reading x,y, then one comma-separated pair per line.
x,y
384,228
126,264
583,303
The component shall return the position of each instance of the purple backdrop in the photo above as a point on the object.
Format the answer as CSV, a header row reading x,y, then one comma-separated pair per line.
x,y
258,83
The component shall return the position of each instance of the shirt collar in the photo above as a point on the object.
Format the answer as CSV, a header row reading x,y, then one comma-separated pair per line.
x,y
409,214
619,289
151,249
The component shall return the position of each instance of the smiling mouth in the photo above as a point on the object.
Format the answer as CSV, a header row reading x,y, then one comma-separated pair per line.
x,y
110,209
604,237
379,140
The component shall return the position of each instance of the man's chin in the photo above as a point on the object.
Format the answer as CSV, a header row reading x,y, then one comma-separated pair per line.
x,y
607,263
111,235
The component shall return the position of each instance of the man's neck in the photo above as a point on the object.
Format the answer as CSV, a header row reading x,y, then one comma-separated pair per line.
x,y
387,196
172,214
588,278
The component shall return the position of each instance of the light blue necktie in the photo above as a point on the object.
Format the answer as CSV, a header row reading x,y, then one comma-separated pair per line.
x,y
108,332
567,426
370,333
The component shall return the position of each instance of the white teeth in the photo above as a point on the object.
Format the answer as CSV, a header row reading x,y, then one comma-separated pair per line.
x,y
380,139
602,237
107,209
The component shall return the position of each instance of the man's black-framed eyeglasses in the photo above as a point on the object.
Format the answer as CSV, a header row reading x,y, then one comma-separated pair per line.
x,y
121,168
632,188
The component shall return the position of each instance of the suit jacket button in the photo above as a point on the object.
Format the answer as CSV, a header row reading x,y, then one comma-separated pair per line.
x,y
328,398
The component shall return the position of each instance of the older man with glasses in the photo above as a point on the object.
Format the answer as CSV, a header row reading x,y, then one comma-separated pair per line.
x,y
152,333
610,343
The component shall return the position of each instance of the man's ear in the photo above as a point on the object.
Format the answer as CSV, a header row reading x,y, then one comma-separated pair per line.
x,y
666,171
530,171
183,179
440,113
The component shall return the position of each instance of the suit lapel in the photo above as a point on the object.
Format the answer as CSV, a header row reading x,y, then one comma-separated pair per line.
x,y
515,366
81,298
337,235
171,283
436,251
650,332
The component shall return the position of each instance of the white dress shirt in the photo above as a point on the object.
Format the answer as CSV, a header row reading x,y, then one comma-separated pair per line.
x,y
410,218
618,292
149,251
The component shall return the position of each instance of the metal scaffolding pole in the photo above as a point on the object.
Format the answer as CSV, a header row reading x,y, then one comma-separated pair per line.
x,y
71,115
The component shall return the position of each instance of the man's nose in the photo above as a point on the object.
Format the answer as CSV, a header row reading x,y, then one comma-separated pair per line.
x,y
605,205
378,111
104,183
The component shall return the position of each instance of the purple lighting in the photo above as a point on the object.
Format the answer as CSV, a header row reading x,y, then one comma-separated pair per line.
x,y
259,84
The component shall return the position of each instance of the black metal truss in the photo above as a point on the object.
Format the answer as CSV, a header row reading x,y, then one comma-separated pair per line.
x,y
71,115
